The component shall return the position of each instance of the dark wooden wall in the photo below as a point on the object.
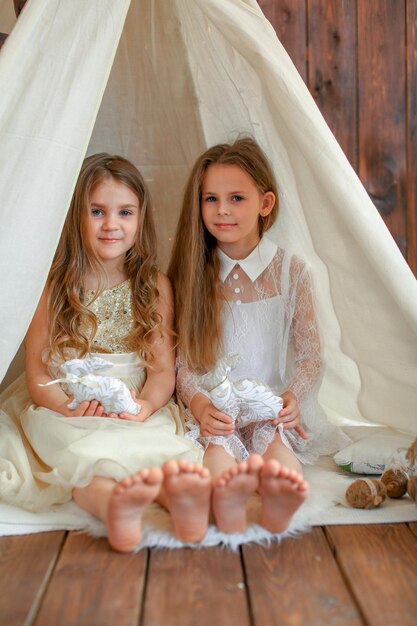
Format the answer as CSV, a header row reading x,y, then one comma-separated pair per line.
x,y
359,60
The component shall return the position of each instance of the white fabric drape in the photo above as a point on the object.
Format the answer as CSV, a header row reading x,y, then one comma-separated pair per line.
x,y
53,71
187,74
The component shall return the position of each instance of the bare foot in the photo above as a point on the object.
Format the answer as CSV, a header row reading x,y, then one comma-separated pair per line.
x,y
126,505
231,493
283,491
187,489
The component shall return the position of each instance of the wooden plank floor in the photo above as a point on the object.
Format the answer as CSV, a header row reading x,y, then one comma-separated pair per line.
x,y
336,575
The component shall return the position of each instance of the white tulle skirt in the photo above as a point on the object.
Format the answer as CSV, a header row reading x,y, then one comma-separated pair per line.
x,y
44,455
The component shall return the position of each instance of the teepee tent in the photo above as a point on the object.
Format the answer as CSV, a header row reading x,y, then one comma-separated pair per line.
x,y
158,82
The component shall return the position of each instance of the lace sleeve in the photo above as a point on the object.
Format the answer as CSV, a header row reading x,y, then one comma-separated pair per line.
x,y
187,383
305,333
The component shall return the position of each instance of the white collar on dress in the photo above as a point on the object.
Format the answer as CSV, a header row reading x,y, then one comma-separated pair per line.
x,y
254,264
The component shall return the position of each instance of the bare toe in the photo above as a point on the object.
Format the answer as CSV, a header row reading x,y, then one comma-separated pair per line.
x,y
255,463
171,468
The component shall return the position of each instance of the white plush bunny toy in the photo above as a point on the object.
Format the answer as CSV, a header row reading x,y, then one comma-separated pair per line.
x,y
111,392
246,400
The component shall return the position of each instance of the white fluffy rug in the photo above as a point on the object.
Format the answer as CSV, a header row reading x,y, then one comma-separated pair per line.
x,y
325,505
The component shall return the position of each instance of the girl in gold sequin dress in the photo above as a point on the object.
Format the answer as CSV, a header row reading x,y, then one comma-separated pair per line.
x,y
104,294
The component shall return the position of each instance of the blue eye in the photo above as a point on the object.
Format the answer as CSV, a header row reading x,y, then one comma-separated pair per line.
x,y
96,212
237,198
125,212
210,199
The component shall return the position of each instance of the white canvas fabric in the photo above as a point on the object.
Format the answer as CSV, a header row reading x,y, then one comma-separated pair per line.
x,y
53,71
188,74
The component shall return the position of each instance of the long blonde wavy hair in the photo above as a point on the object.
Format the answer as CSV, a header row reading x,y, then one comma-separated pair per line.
x,y
194,267
71,323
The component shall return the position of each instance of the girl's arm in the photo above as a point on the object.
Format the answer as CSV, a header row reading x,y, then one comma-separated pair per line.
x,y
53,397
211,420
306,338
306,341
160,381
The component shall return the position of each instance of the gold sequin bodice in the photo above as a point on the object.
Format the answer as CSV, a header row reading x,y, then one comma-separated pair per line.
x,y
113,310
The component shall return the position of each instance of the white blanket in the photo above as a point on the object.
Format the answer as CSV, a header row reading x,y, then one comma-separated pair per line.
x,y
324,506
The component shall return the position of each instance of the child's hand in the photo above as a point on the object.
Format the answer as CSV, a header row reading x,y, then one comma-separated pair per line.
x,y
91,408
289,415
146,410
211,420
214,422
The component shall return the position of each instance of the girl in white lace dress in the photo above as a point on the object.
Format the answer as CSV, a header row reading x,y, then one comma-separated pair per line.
x,y
237,293
104,294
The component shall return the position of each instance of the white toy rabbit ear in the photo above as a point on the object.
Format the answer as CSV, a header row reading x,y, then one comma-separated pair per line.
x,y
233,360
70,365
219,373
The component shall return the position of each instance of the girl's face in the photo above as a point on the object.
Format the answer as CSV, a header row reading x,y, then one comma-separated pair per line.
x,y
113,221
230,207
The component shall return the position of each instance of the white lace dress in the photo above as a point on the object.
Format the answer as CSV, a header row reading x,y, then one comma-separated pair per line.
x,y
269,321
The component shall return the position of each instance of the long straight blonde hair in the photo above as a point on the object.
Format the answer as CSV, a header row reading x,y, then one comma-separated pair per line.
x,y
74,260
194,266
